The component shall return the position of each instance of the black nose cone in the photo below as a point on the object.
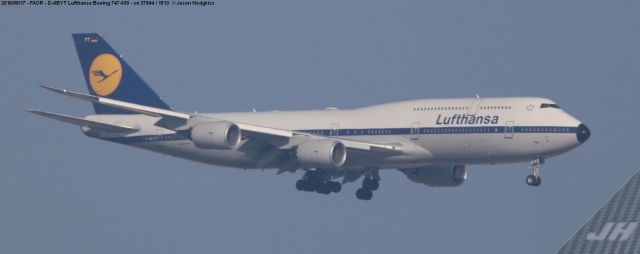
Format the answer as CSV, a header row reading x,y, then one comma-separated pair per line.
x,y
583,133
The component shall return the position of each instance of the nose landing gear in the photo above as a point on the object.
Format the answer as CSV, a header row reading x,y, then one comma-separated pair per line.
x,y
534,179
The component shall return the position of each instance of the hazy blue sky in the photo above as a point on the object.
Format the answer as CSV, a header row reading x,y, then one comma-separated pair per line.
x,y
61,192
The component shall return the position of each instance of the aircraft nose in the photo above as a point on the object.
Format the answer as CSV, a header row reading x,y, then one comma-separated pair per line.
x,y
583,133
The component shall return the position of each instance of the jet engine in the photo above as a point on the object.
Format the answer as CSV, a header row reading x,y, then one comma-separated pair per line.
x,y
216,135
322,153
438,175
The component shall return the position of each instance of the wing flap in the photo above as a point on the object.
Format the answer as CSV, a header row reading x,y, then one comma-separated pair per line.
x,y
84,122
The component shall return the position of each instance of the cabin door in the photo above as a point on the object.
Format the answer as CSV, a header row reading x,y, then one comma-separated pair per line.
x,y
158,138
335,130
415,131
509,129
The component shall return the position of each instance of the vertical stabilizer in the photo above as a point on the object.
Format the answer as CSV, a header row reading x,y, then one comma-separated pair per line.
x,y
614,228
108,75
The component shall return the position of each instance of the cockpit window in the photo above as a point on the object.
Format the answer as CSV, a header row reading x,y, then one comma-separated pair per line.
x,y
549,105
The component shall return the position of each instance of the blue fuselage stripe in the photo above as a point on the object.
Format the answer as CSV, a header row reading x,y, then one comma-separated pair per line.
x,y
441,130
186,135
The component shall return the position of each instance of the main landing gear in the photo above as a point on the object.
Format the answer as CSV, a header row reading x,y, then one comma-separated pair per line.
x,y
313,181
534,179
320,181
369,185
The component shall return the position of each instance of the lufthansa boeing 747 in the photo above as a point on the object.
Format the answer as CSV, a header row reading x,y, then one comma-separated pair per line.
x,y
431,141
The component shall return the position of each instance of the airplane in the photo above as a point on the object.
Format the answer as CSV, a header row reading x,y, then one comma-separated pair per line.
x,y
613,229
431,140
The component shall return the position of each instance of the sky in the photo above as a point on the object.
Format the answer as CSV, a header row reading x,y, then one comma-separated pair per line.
x,y
62,192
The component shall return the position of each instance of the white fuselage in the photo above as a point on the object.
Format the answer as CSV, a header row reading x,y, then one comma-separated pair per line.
x,y
430,131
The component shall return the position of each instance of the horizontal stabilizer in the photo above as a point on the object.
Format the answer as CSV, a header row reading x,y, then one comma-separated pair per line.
x,y
84,123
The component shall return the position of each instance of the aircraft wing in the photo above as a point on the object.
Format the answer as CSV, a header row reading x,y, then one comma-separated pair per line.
x,y
268,134
121,104
259,130
84,122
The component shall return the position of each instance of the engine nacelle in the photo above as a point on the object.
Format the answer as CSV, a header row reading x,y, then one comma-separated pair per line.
x,y
438,175
322,153
216,135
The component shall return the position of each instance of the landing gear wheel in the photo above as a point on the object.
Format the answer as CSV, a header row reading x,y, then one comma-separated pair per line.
x,y
533,180
335,187
323,188
364,194
305,185
370,184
